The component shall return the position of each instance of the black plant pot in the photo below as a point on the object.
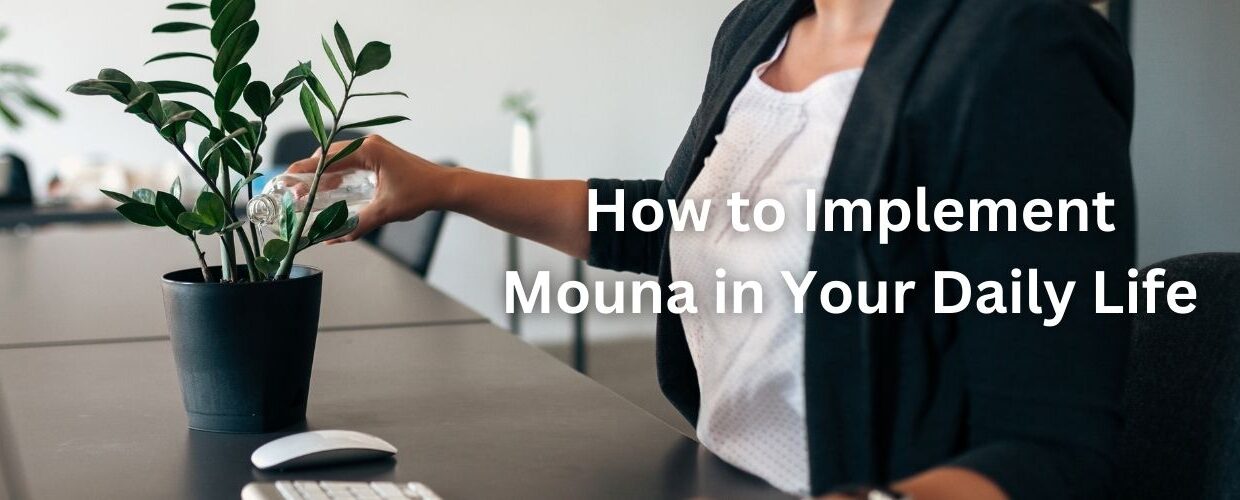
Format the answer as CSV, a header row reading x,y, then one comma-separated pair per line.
x,y
243,351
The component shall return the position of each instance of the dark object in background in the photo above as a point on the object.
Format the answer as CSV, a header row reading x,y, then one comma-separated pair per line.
x,y
300,144
1182,395
243,350
412,243
15,188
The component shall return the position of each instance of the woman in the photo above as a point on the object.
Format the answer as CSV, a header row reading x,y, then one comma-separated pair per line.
x,y
869,99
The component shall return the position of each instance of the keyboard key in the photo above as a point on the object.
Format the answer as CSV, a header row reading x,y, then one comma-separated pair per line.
x,y
288,490
387,490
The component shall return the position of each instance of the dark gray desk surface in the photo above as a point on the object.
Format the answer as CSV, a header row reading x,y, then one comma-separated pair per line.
x,y
102,283
475,412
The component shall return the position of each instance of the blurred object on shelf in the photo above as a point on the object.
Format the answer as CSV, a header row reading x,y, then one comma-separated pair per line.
x,y
77,182
15,190
524,147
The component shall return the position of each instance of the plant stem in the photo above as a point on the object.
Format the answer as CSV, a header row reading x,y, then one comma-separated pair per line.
x,y
249,186
202,260
286,265
249,251
228,255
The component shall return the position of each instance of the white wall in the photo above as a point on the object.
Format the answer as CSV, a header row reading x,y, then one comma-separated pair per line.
x,y
1185,154
616,83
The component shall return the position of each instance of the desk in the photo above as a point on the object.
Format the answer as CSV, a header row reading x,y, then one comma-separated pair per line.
x,y
73,285
475,412
12,217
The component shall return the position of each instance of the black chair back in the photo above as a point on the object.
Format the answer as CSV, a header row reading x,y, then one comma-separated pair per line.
x,y
15,187
1182,396
300,144
412,242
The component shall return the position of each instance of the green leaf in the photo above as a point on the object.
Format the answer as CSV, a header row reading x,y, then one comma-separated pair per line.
x,y
330,220
96,87
317,87
37,103
234,48
386,120
144,95
168,207
212,209
374,56
140,213
331,57
234,121
236,190
194,222
287,86
118,196
258,98
144,195
116,75
175,87
288,221
175,190
234,157
231,87
178,55
232,227
208,158
186,6
220,143
348,150
275,250
349,225
199,118
141,104
232,16
9,116
267,266
314,117
292,79
373,94
176,114
346,49
178,27
216,7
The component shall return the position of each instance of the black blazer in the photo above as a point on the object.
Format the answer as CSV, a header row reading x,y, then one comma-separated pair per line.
x,y
1015,99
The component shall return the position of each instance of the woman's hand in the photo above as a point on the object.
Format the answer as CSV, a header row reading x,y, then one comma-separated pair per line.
x,y
407,184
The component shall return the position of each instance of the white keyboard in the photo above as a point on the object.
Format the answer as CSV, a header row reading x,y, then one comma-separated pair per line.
x,y
334,490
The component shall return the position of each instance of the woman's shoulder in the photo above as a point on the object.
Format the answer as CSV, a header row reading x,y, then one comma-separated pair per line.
x,y
1012,22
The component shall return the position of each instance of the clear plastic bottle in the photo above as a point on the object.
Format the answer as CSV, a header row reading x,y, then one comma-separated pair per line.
x,y
356,187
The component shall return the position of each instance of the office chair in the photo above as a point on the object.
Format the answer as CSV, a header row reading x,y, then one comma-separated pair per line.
x,y
412,243
15,188
299,144
1182,395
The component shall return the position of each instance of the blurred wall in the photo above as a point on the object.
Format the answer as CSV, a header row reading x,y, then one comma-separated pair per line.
x,y
616,84
1186,145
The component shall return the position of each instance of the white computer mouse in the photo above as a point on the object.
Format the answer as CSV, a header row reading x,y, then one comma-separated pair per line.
x,y
315,448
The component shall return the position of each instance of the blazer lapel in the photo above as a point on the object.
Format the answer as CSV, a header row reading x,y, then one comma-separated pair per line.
x,y
847,414
754,50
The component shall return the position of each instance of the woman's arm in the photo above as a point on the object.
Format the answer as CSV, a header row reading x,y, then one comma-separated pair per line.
x,y
550,212
1051,118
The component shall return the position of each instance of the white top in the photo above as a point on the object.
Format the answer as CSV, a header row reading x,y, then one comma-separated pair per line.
x,y
775,145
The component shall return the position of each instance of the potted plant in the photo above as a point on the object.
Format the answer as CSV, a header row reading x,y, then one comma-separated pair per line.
x,y
243,332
